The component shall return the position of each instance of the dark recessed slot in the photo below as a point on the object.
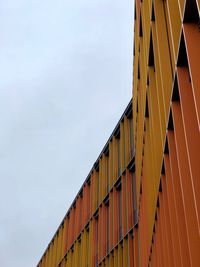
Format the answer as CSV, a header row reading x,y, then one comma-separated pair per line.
x,y
117,132
135,216
138,70
123,172
74,204
144,128
96,214
170,122
106,150
152,12
147,108
81,193
106,201
182,55
156,216
175,94
135,12
140,189
148,79
79,238
87,227
162,172
160,184
118,185
126,236
191,13
151,52
88,180
130,164
158,204
129,112
141,30
96,165
131,232
166,150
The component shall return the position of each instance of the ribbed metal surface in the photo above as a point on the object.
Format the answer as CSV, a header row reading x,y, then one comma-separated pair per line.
x,y
100,223
140,204
166,106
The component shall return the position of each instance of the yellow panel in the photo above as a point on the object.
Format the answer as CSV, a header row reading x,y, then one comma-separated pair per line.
x,y
174,26
111,163
163,56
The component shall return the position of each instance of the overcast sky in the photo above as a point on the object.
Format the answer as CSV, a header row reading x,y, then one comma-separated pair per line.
x,y
65,79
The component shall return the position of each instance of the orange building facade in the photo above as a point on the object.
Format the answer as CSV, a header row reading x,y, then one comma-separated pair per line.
x,y
166,105
99,228
140,204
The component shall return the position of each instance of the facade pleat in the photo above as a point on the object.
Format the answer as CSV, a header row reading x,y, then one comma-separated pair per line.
x,y
140,203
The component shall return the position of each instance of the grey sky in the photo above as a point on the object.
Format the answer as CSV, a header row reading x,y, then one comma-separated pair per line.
x,y
65,79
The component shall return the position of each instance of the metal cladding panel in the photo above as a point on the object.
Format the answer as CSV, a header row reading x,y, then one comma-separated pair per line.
x,y
166,88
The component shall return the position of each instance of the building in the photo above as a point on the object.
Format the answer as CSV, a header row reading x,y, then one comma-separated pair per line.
x,y
140,204
100,222
166,116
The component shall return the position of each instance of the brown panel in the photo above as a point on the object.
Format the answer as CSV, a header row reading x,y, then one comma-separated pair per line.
x,y
172,212
167,222
179,202
192,38
191,131
161,217
186,186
